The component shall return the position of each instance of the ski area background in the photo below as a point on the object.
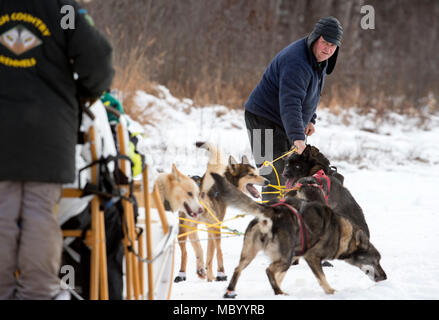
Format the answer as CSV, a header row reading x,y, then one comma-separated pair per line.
x,y
185,69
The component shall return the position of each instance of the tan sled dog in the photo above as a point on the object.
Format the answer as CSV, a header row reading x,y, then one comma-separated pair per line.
x,y
180,193
241,175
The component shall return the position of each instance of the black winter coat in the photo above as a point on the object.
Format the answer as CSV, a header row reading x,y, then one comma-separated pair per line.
x,y
38,93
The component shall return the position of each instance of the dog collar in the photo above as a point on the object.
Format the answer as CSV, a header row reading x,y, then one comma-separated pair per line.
x,y
319,175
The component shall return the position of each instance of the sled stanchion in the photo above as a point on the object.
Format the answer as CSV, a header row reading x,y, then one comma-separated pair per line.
x,y
132,267
98,263
161,209
128,271
94,260
103,272
172,272
147,202
94,257
131,262
141,266
134,262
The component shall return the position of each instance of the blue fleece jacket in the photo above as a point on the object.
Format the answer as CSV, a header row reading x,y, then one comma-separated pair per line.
x,y
289,91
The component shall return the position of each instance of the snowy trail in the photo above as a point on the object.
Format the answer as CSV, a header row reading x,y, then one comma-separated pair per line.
x,y
403,226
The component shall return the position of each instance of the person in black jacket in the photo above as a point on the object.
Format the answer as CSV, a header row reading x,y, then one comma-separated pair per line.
x,y
281,110
38,127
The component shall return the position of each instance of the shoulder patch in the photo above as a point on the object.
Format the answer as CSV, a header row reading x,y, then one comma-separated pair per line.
x,y
19,40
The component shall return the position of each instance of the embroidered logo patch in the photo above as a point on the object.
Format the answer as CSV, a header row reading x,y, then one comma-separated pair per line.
x,y
19,40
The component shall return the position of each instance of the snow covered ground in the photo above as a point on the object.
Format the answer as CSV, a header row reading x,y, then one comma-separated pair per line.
x,y
391,168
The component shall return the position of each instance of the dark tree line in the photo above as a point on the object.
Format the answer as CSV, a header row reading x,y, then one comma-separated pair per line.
x,y
217,50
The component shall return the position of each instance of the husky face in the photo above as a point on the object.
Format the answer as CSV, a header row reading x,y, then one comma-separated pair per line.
x,y
367,258
244,176
184,194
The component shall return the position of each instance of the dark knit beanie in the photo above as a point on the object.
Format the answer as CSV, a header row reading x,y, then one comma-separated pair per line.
x,y
332,31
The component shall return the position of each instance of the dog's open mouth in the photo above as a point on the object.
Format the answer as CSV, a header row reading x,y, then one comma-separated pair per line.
x,y
289,184
189,211
253,191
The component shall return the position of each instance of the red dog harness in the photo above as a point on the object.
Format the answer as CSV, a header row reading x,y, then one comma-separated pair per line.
x,y
319,175
303,235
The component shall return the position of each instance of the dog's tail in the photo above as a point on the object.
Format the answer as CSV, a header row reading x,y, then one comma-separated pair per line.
x,y
216,164
237,199
216,157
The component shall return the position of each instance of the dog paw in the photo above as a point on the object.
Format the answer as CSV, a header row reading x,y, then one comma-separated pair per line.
x,y
181,277
221,277
329,291
210,277
327,264
201,273
230,294
280,292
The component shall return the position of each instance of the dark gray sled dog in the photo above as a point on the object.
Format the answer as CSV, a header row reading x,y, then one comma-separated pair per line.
x,y
302,170
316,233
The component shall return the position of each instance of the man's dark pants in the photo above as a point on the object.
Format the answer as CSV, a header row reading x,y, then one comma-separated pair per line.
x,y
268,141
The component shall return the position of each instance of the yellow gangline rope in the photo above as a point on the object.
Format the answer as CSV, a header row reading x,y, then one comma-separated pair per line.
x,y
209,225
208,210
281,190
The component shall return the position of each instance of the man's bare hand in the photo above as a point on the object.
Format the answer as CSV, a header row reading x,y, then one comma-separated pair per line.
x,y
310,129
300,144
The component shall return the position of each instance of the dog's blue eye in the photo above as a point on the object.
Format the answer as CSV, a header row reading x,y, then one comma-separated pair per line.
x,y
298,167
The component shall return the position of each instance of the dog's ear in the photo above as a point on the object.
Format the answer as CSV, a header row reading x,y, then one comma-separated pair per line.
x,y
320,158
175,173
314,151
316,158
306,153
220,182
244,160
361,240
232,163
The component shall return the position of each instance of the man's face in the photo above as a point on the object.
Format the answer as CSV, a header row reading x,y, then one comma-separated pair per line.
x,y
323,49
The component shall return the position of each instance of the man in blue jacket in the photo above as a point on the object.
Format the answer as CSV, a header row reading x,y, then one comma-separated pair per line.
x,y
281,110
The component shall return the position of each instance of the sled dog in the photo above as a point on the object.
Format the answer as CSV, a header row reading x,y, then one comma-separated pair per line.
x,y
303,170
283,233
241,175
180,194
